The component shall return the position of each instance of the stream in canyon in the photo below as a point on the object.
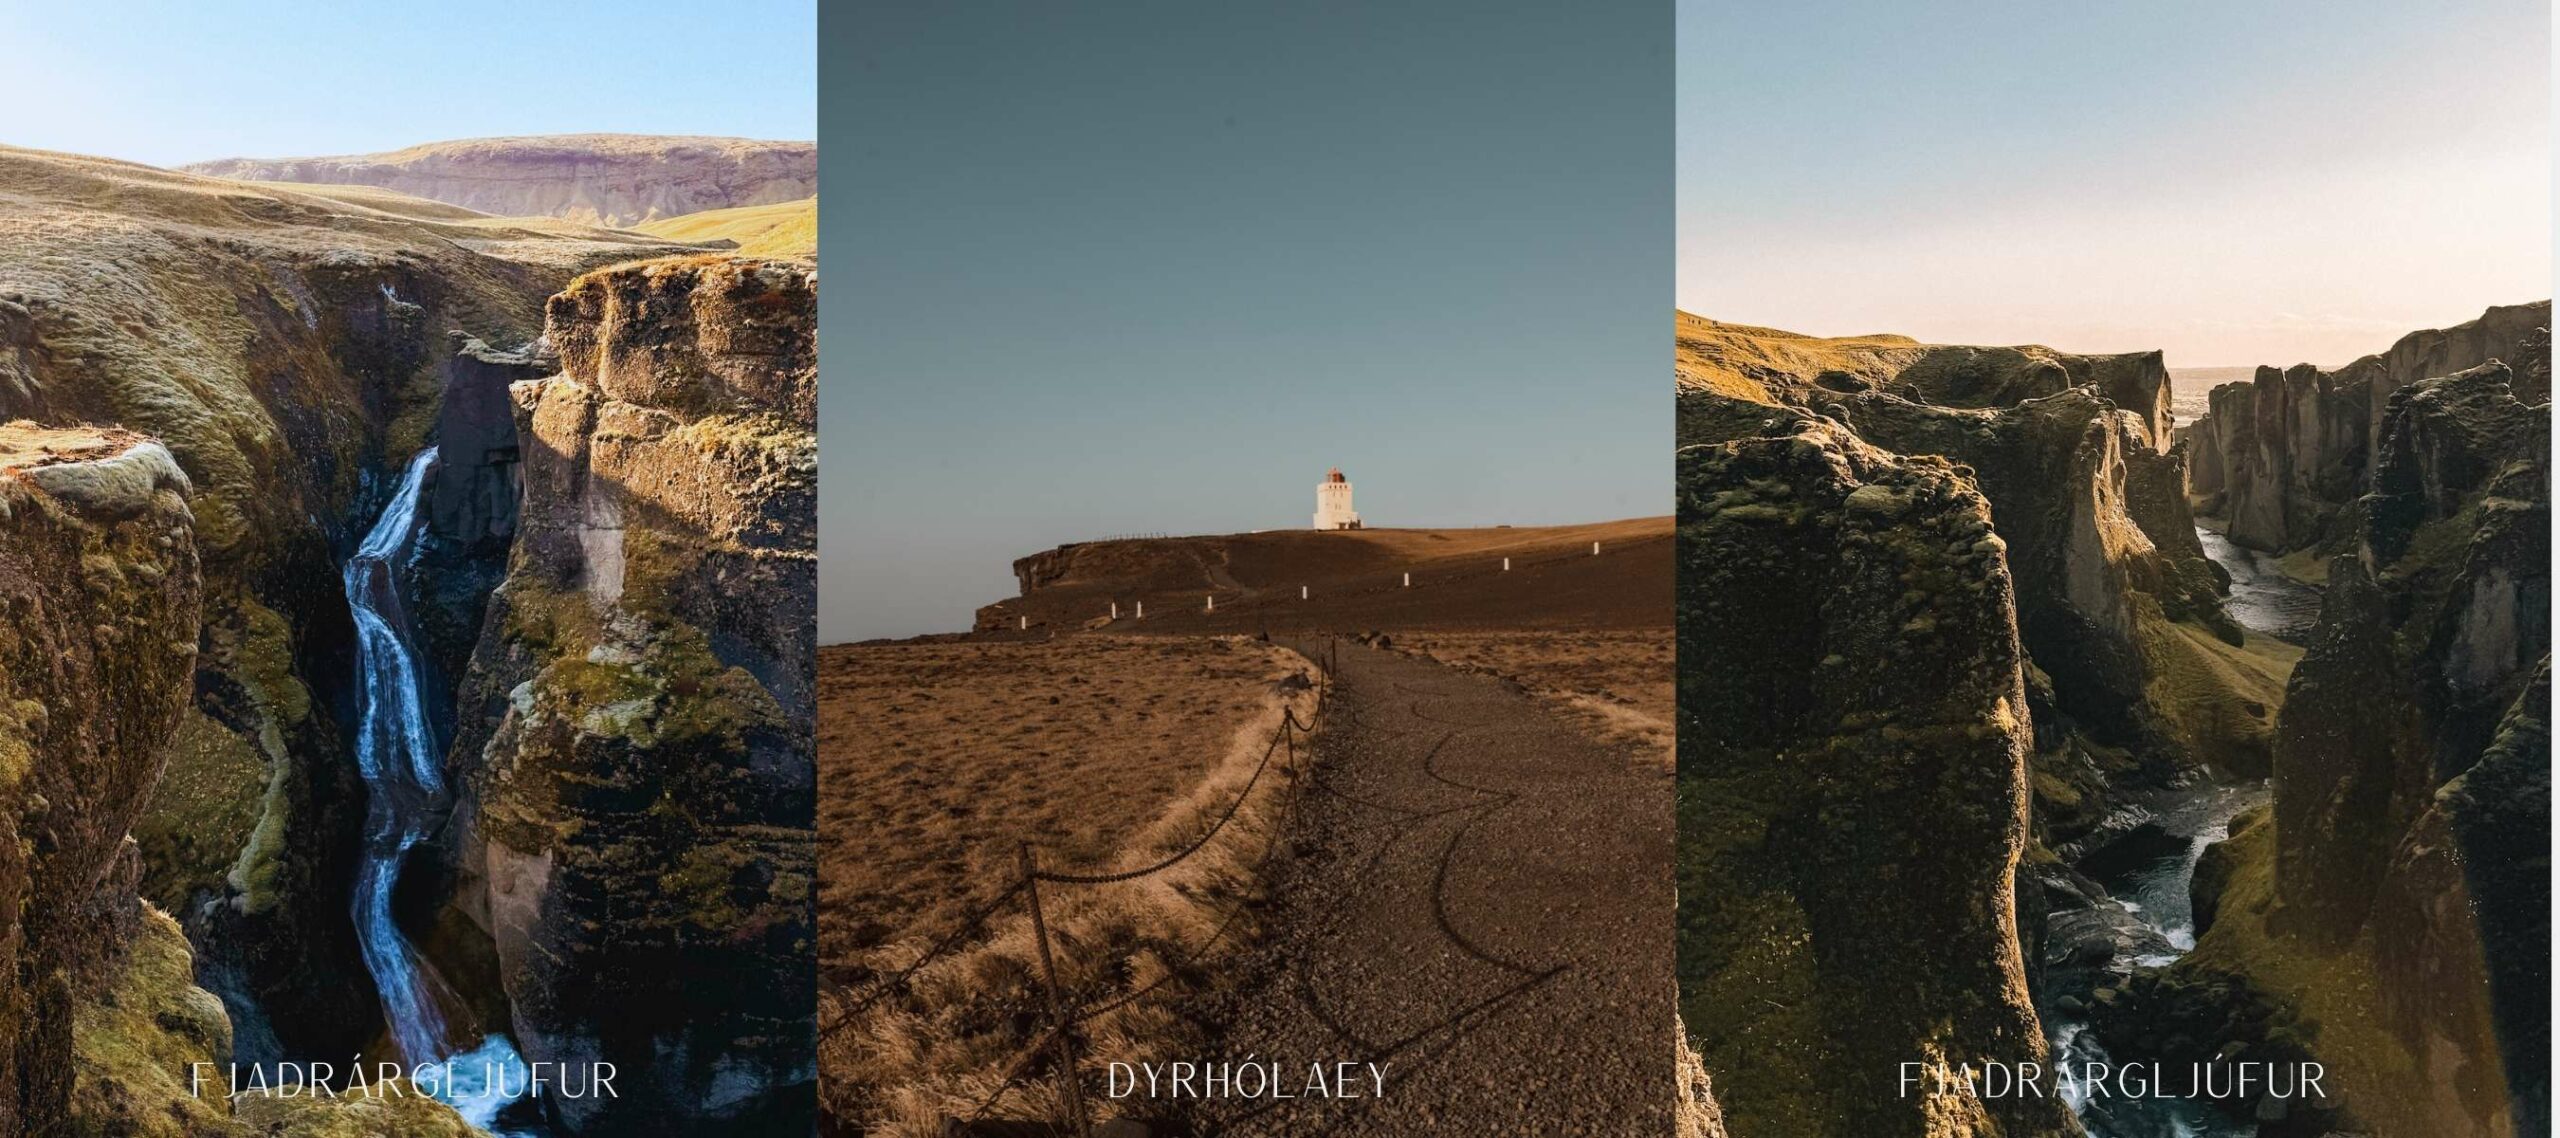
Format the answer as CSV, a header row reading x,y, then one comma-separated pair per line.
x,y
401,761
2150,873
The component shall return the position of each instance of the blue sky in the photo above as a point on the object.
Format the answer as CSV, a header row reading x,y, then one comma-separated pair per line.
x,y
2235,183
1155,266
168,83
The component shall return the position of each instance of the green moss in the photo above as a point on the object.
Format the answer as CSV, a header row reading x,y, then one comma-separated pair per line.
x,y
202,811
19,719
263,649
260,866
135,1047
2332,993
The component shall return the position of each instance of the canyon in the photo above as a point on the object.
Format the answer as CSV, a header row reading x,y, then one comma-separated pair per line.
x,y
2283,458
429,464
2166,817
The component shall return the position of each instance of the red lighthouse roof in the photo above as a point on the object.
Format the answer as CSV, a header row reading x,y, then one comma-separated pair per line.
x,y
1335,475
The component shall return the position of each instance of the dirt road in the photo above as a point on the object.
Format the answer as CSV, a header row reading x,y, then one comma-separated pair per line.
x,y
1480,902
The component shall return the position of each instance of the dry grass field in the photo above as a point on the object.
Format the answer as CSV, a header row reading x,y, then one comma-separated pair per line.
x,y
1614,684
938,758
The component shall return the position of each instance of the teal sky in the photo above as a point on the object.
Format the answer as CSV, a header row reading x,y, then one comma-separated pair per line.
x,y
1154,266
2234,183
167,82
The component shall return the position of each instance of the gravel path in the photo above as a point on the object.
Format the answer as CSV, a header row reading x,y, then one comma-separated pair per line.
x,y
1481,901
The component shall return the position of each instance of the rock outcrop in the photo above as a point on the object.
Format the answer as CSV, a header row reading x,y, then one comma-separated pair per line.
x,y
605,179
643,845
2285,457
1764,365
1854,788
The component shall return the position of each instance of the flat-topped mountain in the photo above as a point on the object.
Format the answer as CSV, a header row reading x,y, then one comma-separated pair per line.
x,y
1389,579
607,179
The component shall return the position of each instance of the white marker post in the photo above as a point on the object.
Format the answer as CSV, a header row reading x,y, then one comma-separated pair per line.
x,y
1142,610
1595,549
1025,625
1506,564
1213,602
1302,592
1408,580
1115,610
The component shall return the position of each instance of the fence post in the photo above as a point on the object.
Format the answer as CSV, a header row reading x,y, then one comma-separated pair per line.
x,y
1068,1083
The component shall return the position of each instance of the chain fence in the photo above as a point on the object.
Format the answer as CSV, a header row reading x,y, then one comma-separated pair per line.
x,y
1064,1013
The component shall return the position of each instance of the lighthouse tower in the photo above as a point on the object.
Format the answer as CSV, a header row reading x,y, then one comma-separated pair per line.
x,y
1333,502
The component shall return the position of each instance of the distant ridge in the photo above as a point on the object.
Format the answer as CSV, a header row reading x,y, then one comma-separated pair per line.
x,y
618,180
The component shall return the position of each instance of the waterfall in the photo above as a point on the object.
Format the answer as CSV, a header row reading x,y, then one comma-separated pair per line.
x,y
400,758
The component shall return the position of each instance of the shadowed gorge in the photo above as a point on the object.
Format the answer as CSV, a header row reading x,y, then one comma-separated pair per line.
x,y
371,507
2158,705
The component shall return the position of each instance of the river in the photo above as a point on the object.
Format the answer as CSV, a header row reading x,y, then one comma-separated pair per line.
x,y
401,760
2152,879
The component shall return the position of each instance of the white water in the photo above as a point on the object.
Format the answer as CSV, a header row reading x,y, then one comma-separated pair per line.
x,y
399,756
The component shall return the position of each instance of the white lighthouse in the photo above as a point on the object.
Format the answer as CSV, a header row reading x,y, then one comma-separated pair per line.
x,y
1333,502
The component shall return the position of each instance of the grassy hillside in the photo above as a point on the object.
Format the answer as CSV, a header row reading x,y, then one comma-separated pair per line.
x,y
783,229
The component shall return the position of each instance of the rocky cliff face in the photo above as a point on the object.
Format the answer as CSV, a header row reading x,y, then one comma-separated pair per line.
x,y
2397,907
290,351
605,179
1853,768
98,576
2426,636
2285,456
643,847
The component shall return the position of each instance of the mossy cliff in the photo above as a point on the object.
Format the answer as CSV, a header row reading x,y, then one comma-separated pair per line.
x,y
2285,456
102,590
1853,788
99,583
290,350
2391,918
2118,607
640,828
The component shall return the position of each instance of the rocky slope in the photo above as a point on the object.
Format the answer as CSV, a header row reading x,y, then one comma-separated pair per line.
x,y
639,840
1854,787
290,350
605,179
2285,456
